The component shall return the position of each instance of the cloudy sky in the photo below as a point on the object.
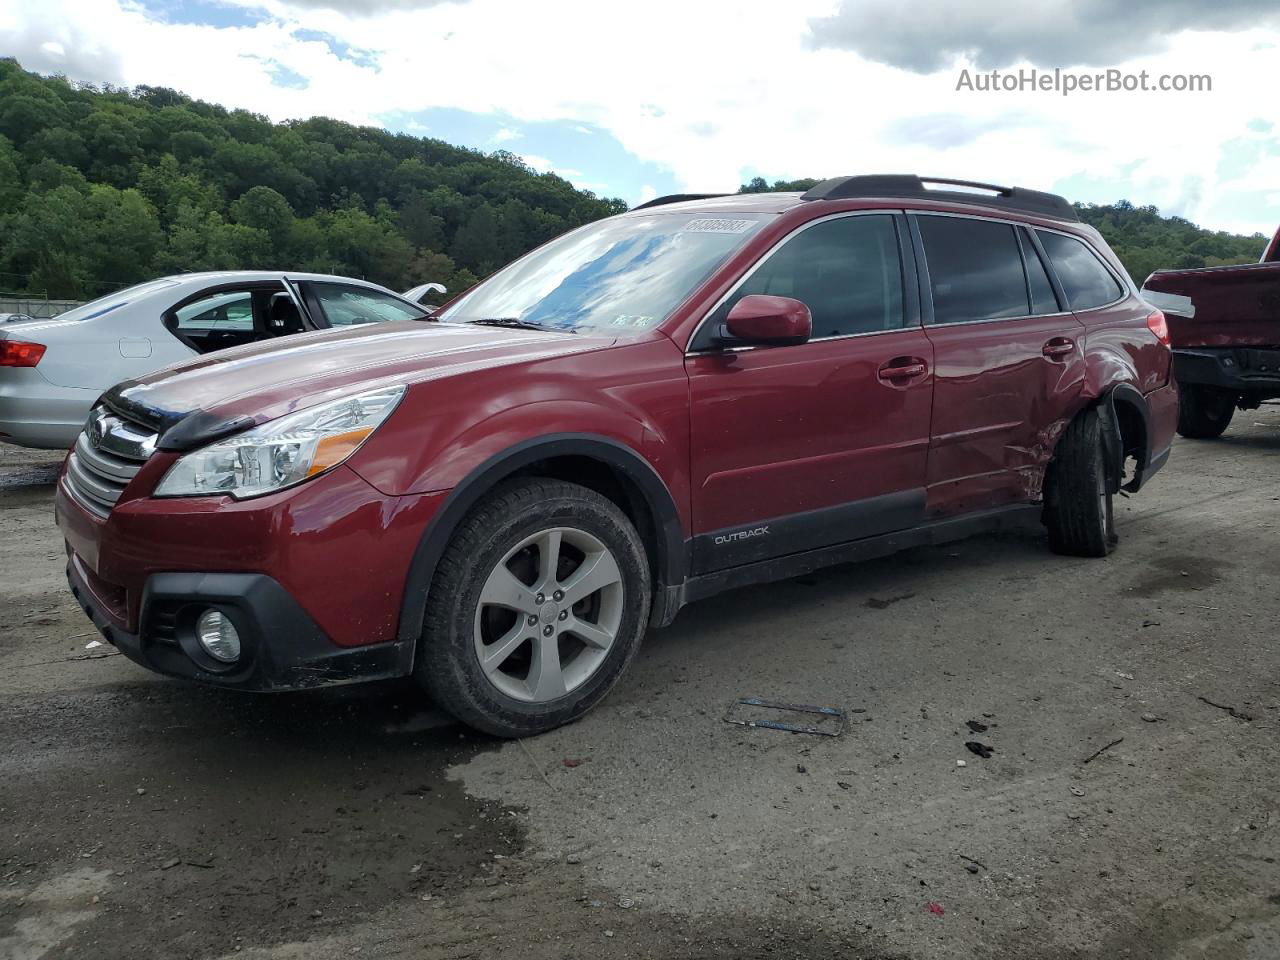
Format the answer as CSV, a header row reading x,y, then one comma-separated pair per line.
x,y
631,100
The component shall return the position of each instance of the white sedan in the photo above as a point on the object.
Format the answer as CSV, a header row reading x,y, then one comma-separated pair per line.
x,y
52,371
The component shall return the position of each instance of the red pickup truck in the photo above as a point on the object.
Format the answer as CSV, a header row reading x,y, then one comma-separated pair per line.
x,y
1224,323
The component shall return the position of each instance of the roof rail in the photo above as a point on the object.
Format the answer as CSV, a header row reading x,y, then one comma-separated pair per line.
x,y
679,198
909,185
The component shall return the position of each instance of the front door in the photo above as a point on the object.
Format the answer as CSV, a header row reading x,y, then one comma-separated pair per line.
x,y
804,446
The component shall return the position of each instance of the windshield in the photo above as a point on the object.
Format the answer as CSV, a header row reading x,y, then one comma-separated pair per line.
x,y
616,277
96,308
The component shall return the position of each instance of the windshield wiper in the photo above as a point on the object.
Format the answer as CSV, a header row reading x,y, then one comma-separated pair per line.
x,y
515,322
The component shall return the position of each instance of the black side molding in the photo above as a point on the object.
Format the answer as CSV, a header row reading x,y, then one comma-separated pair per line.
x,y
1019,517
799,532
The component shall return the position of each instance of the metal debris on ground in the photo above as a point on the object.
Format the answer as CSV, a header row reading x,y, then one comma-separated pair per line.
x,y
1101,750
1232,711
834,718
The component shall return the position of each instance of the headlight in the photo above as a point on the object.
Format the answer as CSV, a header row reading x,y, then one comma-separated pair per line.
x,y
282,452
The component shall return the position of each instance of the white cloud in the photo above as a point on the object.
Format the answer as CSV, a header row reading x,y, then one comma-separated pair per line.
x,y
505,134
927,35
647,193
756,101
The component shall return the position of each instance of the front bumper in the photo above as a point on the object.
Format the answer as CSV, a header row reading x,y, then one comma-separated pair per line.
x,y
312,577
1246,370
282,647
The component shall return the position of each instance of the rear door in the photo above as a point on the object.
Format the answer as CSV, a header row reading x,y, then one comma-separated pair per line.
x,y
798,447
1008,359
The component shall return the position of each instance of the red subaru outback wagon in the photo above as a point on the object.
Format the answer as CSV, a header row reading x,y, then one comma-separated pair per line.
x,y
702,393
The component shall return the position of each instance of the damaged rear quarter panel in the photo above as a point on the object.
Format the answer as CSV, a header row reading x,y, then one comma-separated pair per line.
x,y
1120,349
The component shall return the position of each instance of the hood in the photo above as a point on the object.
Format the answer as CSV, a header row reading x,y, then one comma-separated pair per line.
x,y
202,399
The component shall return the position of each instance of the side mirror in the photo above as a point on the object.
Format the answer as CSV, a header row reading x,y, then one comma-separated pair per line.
x,y
775,321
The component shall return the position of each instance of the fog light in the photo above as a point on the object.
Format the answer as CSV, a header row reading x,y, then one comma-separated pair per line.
x,y
218,636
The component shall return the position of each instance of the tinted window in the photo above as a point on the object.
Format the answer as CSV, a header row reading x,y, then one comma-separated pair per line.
x,y
1085,281
346,306
975,269
228,310
846,271
1043,299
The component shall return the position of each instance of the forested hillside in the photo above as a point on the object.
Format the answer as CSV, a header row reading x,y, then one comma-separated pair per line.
x,y
1142,239
1145,241
100,188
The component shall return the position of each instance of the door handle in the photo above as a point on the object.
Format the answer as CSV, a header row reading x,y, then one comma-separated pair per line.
x,y
1058,347
900,369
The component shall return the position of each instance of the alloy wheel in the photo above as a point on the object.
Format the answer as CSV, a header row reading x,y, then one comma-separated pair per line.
x,y
548,614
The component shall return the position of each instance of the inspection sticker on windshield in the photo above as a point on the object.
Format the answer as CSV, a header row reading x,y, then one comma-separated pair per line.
x,y
718,225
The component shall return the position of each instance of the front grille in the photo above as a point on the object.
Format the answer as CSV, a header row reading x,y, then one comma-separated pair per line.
x,y
107,455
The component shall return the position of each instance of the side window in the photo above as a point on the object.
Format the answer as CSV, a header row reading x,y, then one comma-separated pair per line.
x,y
1085,281
1043,299
847,271
975,269
226,310
346,306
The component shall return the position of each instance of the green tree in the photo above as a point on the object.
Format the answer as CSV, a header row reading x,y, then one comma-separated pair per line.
x,y
421,225
104,185
264,209
123,234
476,244
12,187
47,242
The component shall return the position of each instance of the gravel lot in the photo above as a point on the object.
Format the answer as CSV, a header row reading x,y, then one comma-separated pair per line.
x,y
141,817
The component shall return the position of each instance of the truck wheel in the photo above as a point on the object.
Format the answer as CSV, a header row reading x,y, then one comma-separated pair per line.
x,y
1078,508
1204,412
536,608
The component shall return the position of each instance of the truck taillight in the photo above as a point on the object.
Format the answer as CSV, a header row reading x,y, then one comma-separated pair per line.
x,y
1157,325
16,353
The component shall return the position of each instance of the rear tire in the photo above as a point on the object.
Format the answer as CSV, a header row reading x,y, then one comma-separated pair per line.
x,y
1204,412
1078,508
536,608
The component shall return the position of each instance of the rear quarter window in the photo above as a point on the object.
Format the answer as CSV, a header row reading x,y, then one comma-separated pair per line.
x,y
1085,281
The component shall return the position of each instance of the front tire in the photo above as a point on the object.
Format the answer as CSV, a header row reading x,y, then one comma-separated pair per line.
x,y
536,608
1078,507
1204,412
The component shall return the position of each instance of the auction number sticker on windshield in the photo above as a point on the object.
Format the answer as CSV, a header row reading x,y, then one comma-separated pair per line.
x,y
718,225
